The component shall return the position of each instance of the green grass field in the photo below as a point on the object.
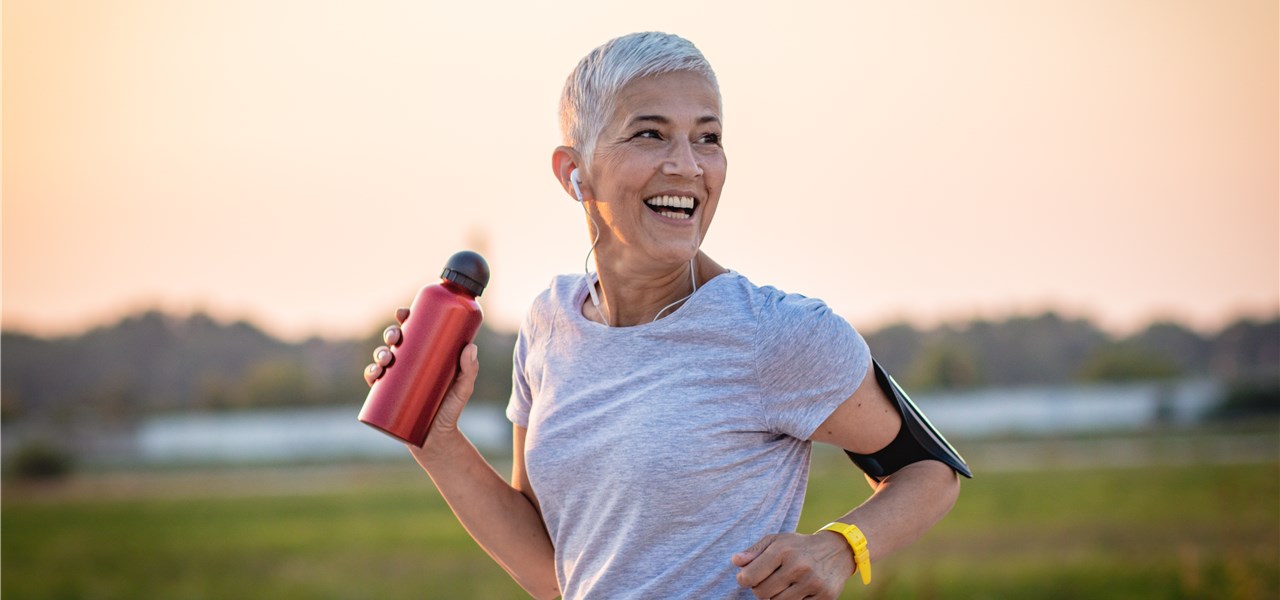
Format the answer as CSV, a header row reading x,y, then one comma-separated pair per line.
x,y
1164,532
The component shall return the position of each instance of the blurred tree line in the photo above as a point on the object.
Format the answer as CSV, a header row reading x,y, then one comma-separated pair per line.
x,y
1050,349
154,362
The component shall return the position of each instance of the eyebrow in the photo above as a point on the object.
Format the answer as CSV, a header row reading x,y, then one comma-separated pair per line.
x,y
661,120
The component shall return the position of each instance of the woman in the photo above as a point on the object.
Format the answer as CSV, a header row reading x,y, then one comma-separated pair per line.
x,y
663,409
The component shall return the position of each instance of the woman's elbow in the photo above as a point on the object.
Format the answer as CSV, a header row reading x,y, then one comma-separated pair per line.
x,y
548,594
936,482
946,485
541,592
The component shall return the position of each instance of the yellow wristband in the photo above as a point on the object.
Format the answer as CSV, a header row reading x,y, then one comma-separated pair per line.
x,y
858,542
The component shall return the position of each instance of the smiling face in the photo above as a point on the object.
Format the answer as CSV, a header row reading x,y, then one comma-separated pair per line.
x,y
657,171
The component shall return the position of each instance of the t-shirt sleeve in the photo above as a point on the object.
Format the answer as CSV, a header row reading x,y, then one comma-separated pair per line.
x,y
809,361
521,396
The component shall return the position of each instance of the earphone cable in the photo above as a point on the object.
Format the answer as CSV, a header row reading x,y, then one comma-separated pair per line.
x,y
586,261
692,279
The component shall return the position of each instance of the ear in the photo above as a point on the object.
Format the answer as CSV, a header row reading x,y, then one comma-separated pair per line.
x,y
563,161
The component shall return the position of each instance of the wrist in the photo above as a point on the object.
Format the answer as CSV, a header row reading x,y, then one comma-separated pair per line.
x,y
441,445
857,544
835,546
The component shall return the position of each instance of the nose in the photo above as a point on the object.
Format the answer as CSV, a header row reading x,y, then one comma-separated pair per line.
x,y
681,161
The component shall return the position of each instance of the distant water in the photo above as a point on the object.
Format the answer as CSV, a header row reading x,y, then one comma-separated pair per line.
x,y
1070,409
297,434
284,435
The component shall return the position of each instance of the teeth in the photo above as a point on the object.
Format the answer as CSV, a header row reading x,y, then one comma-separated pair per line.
x,y
673,215
672,201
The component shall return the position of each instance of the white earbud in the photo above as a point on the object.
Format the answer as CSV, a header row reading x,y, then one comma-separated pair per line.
x,y
573,179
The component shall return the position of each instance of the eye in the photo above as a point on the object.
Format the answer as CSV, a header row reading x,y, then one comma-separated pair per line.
x,y
651,134
710,138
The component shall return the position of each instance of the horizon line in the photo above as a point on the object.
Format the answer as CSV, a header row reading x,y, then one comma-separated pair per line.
x,y
228,318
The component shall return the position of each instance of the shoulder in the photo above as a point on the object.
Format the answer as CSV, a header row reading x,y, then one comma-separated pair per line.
x,y
559,293
808,360
769,306
560,290
570,282
777,308
794,325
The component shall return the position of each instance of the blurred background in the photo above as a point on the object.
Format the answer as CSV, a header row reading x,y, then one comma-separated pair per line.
x,y
1057,223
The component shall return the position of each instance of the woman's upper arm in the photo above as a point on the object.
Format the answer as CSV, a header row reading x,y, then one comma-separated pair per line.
x,y
520,477
865,422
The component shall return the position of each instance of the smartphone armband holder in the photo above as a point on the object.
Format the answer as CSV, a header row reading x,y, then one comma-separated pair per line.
x,y
917,439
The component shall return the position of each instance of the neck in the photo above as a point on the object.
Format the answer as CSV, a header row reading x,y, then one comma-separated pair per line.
x,y
636,296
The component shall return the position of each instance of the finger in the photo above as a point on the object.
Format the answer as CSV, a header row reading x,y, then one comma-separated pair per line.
x,y
382,356
372,373
745,557
391,335
795,592
773,585
402,315
762,562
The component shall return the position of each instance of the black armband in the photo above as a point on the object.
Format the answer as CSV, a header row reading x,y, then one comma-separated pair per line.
x,y
917,439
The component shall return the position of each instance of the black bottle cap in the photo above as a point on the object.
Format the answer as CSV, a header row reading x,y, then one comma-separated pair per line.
x,y
468,270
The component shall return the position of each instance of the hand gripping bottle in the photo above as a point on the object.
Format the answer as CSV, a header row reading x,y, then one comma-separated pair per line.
x,y
442,320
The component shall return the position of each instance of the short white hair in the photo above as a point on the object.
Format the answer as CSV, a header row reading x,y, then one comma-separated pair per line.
x,y
587,102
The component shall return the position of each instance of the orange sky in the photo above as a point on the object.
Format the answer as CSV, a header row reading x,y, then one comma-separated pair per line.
x,y
310,165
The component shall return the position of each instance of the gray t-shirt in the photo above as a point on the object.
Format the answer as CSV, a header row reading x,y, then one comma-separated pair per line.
x,y
658,451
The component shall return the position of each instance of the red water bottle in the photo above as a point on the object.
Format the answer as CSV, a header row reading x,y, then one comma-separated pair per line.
x,y
443,319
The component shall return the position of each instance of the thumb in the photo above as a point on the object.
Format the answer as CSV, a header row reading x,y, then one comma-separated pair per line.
x,y
469,360
469,366
455,399
745,557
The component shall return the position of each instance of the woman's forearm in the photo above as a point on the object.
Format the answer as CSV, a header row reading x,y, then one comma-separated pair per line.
x,y
904,506
501,519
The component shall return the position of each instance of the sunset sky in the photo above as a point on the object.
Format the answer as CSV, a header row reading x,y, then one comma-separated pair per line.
x,y
309,165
